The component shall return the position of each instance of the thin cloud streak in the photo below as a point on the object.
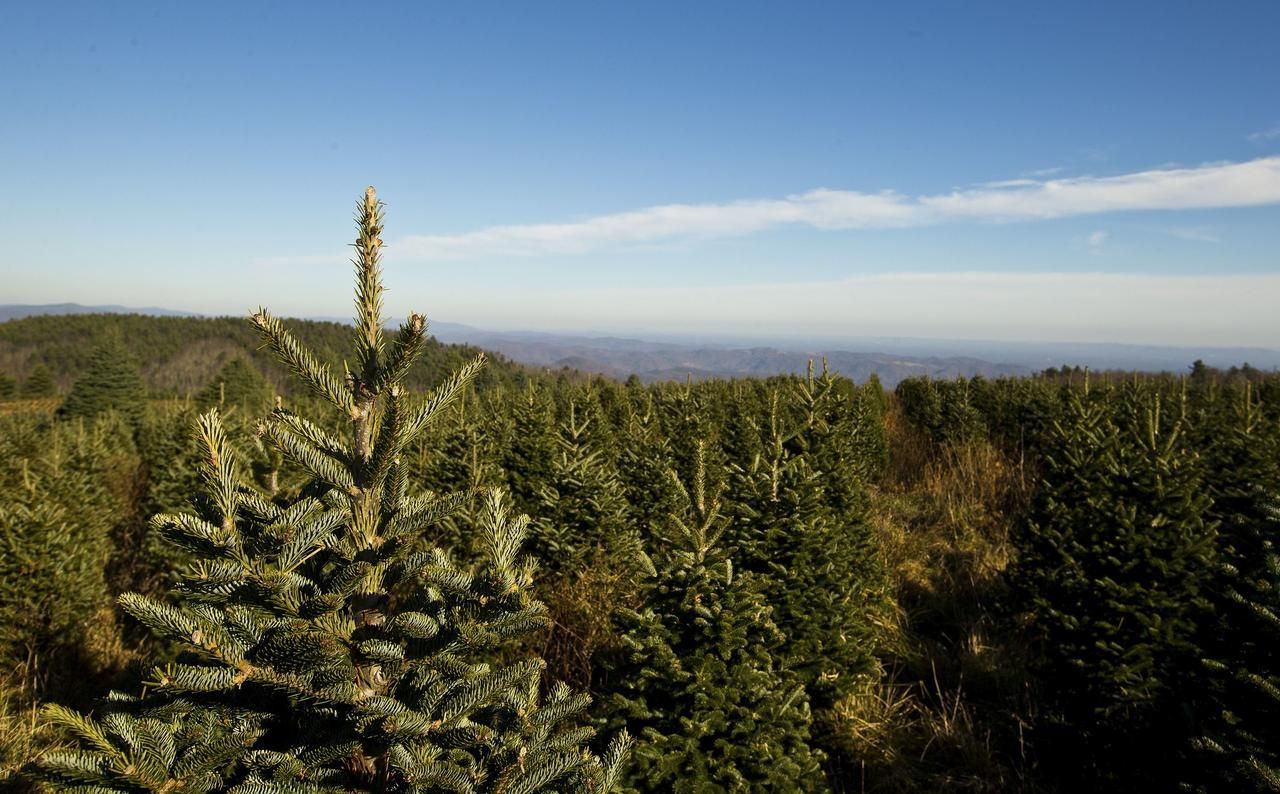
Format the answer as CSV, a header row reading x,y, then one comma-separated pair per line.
x,y
1200,234
1265,135
1250,183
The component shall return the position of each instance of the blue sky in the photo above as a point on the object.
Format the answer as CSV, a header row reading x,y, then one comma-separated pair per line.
x,y
1028,170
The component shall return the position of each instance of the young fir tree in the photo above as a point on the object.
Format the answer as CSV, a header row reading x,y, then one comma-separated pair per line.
x,y
8,386
456,456
529,451
584,531
644,459
325,650
39,384
237,385
1115,563
818,564
700,673
583,513
64,491
110,383
1240,749
943,409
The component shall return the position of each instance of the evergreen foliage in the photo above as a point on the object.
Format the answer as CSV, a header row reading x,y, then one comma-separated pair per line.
x,y
530,447
8,386
1115,566
39,383
237,385
110,383
583,513
943,409
1240,750
64,494
644,462
700,675
584,531
184,354
800,528
324,648
1063,582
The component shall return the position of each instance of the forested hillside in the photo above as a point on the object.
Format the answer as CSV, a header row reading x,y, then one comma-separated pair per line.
x,y
177,356
1052,584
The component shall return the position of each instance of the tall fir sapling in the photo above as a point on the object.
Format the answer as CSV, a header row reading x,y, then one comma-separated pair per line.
x,y
1239,748
700,673
237,385
39,383
110,383
1116,558
585,530
325,650
802,532
530,448
583,511
66,489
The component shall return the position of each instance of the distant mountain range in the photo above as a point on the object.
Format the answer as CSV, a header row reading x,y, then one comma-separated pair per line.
x,y
619,357
18,311
680,357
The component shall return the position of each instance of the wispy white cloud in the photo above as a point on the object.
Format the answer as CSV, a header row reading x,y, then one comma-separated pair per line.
x,y
1086,307
1268,134
1041,173
1097,239
1200,234
1215,185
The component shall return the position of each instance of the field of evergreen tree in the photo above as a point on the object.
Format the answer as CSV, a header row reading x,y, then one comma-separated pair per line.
x,y
266,556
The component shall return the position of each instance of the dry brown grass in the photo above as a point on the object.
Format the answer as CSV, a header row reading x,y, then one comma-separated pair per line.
x,y
915,736
582,609
947,718
45,407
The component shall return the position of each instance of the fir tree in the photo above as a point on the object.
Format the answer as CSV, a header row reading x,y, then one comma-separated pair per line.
x,y
238,384
324,649
817,558
457,457
943,409
530,449
8,386
583,512
644,460
700,673
1240,750
110,383
39,384
841,438
65,489
584,530
1116,560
